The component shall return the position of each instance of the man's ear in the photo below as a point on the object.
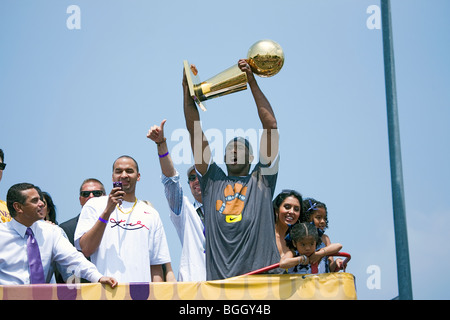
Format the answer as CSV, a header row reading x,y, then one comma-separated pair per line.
x,y
17,207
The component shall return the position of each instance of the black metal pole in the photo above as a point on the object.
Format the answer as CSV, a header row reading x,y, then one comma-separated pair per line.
x,y
398,199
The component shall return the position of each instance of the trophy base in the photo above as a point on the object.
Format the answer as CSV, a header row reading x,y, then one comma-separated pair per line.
x,y
192,79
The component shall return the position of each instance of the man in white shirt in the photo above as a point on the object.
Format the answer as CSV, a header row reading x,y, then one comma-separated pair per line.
x,y
187,217
90,188
26,208
123,236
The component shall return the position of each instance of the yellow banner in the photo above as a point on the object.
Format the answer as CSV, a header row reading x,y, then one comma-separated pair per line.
x,y
340,286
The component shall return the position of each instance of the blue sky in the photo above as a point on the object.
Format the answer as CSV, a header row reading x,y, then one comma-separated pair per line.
x,y
72,101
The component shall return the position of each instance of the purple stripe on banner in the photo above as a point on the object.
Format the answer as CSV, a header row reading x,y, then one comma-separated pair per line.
x,y
139,291
65,292
42,292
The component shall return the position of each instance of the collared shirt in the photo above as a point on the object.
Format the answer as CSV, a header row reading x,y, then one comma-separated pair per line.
x,y
53,247
174,193
190,230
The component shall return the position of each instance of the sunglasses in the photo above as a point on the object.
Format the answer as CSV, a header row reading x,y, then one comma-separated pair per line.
x,y
192,177
96,193
2,166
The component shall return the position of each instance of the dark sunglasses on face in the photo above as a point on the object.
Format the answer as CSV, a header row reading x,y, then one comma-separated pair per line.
x,y
96,193
192,177
2,166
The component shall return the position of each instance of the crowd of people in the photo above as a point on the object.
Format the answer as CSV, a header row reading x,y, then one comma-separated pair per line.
x,y
234,225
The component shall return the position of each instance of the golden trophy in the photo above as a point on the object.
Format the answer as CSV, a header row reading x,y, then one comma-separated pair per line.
x,y
265,57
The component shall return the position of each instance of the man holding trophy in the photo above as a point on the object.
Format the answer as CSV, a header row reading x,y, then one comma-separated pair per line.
x,y
239,220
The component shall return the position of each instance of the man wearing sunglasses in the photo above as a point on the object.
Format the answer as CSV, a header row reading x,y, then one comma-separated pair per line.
x,y
90,188
187,217
4,213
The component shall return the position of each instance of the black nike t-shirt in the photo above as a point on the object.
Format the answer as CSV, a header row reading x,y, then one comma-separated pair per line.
x,y
239,221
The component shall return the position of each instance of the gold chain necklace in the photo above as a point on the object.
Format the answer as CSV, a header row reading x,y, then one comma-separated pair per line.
x,y
132,208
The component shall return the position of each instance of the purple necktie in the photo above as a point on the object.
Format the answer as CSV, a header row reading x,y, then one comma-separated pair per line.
x,y
34,259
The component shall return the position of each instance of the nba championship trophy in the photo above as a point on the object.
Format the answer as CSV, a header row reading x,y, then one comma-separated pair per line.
x,y
265,58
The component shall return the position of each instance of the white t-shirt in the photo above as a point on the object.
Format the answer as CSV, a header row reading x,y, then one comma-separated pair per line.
x,y
132,241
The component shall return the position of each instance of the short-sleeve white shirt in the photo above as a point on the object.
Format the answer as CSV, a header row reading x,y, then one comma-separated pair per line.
x,y
132,241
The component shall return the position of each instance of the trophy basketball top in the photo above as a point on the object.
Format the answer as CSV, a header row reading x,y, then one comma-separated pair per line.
x,y
266,58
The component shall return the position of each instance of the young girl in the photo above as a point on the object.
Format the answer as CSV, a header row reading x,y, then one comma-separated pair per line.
x,y
304,257
316,212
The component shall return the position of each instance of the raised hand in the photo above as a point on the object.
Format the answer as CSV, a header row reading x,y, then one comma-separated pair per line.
x,y
156,133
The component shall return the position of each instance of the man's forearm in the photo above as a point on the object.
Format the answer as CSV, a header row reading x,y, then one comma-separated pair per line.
x,y
269,139
199,143
165,160
191,113
265,111
90,241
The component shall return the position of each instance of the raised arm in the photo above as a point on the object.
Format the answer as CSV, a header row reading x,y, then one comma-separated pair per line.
x,y
90,241
199,143
173,190
156,134
269,140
